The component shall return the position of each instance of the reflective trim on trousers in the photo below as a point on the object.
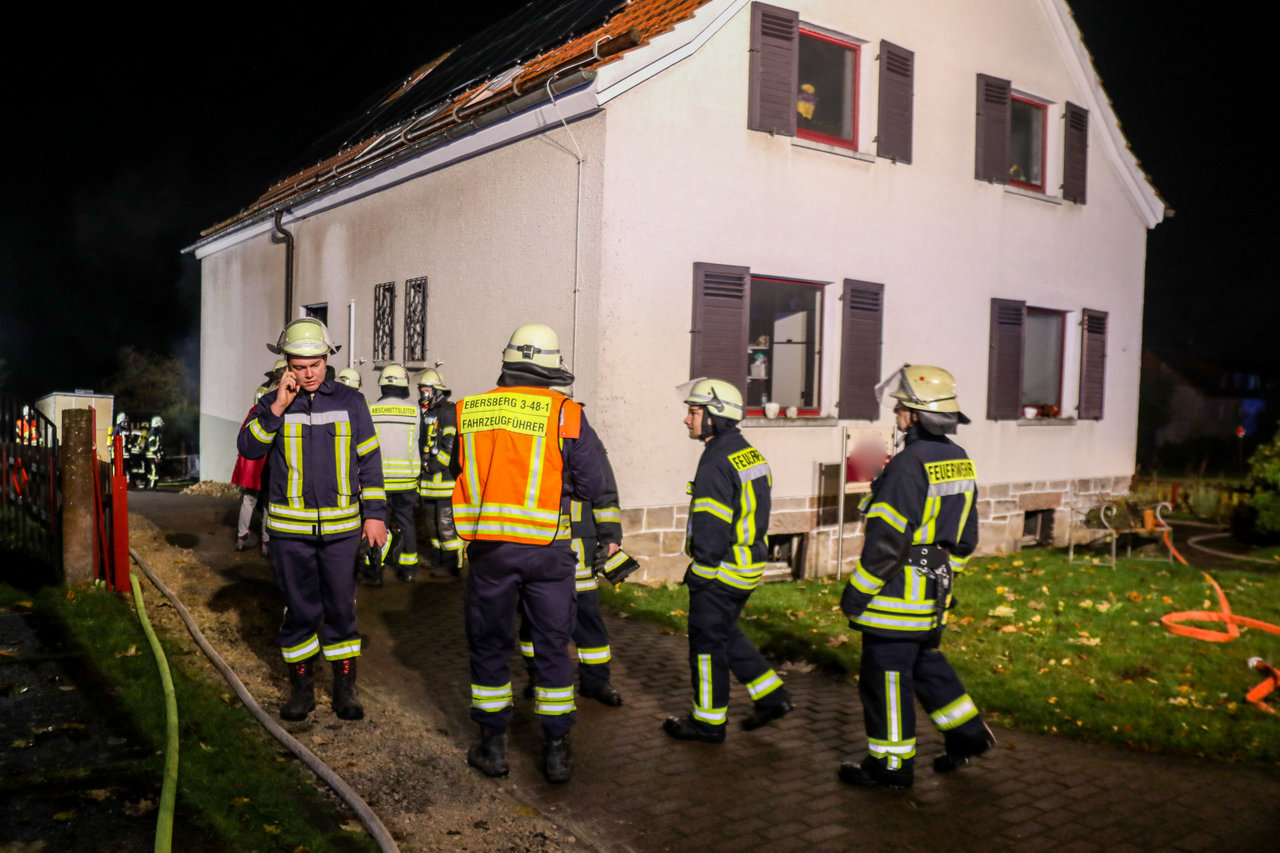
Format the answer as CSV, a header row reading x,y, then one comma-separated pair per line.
x,y
764,685
303,650
955,714
491,698
552,701
595,655
342,651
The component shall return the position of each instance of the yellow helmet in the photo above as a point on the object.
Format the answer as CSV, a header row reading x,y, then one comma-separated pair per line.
x,y
431,378
534,342
394,374
350,377
306,337
717,397
277,368
924,388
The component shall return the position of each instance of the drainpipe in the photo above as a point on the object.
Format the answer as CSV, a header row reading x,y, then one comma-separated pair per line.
x,y
351,334
288,265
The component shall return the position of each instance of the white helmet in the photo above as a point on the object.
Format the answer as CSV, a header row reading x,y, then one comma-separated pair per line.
x,y
394,374
306,337
534,342
717,397
350,377
157,422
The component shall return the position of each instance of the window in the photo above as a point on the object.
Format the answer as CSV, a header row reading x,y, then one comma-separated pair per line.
x,y
1042,363
320,311
782,343
1028,360
803,79
1026,144
763,333
826,99
384,319
415,320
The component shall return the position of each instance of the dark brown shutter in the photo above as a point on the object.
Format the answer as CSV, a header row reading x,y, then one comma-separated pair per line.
x,y
1093,363
992,161
1004,367
775,69
860,349
1075,154
893,132
721,303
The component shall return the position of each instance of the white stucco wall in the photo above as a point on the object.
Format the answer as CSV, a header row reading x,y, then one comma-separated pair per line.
x,y
496,237
685,172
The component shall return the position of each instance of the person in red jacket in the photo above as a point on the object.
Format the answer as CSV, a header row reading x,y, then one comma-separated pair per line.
x,y
247,474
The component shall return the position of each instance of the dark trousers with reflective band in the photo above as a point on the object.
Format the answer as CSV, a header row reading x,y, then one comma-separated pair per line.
x,y
543,575
590,636
438,521
717,647
894,673
401,505
317,579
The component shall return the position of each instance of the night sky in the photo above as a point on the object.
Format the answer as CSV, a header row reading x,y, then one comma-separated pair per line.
x,y
122,146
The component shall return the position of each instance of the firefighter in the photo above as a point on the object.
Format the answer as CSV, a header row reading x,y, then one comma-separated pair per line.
x,y
728,520
326,470
350,377
921,526
522,447
121,429
154,451
249,474
396,420
596,533
26,430
438,435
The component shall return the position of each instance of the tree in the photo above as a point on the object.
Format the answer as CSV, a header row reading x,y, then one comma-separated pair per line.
x,y
144,381
1264,470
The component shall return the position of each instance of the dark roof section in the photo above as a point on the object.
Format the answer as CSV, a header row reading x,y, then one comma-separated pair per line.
x,y
522,35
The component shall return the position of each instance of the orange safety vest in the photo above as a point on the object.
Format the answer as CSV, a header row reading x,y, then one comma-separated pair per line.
x,y
512,471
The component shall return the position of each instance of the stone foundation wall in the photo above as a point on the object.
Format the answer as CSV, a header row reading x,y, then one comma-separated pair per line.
x,y
655,535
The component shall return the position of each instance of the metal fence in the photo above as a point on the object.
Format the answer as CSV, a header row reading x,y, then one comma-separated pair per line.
x,y
30,495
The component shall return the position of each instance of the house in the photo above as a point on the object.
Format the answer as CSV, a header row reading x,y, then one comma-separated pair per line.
x,y
797,197
1199,400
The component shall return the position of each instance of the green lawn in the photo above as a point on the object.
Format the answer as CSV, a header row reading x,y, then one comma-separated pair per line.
x,y
242,786
1045,645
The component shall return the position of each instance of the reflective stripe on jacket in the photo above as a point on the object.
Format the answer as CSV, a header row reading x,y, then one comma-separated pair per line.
x,y
512,469
925,497
396,421
326,471
729,512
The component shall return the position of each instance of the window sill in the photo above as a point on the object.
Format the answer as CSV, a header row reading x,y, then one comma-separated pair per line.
x,y
783,421
1046,421
1032,194
814,145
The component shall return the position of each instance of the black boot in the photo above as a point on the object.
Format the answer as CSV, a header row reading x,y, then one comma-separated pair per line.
x,y
762,715
557,760
605,694
869,774
302,681
345,701
683,728
961,746
489,756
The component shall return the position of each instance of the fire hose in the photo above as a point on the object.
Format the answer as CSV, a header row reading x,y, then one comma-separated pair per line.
x,y
1173,622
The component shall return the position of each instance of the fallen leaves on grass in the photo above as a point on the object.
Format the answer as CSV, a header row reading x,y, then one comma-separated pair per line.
x,y
834,642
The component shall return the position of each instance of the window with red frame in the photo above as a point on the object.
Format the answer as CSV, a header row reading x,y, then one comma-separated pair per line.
x,y
1026,143
827,94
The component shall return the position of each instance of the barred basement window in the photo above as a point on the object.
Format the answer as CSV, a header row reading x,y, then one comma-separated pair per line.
x,y
415,320
384,322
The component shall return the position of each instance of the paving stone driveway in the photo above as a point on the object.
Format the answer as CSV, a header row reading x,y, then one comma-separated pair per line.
x,y
775,789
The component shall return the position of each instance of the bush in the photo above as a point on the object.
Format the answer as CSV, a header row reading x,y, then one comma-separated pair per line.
x,y
1264,468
